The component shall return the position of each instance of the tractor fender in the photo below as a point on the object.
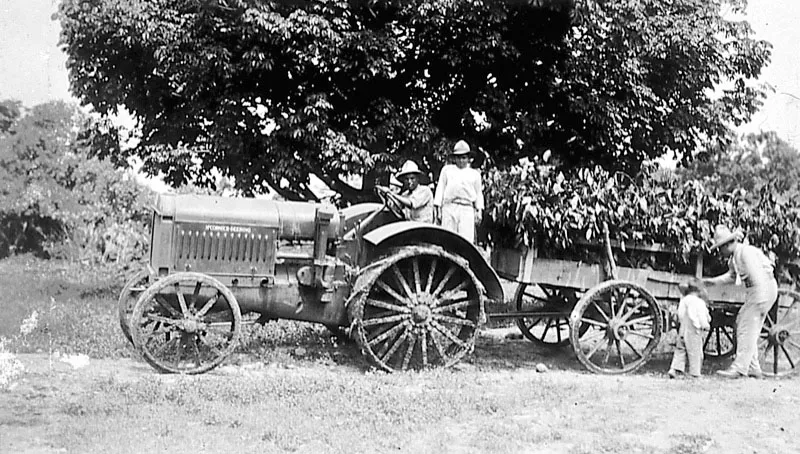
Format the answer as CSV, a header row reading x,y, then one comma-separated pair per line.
x,y
405,233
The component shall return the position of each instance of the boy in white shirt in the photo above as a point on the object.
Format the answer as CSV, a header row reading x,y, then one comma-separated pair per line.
x,y
458,201
695,322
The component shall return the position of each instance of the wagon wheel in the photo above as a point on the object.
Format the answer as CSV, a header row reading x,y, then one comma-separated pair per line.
x,y
779,345
186,323
417,308
127,300
552,328
720,341
624,326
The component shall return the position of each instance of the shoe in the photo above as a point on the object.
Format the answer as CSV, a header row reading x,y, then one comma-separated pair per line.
x,y
730,373
672,373
755,374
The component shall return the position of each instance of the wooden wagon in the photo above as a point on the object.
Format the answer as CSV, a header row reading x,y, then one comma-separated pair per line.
x,y
614,316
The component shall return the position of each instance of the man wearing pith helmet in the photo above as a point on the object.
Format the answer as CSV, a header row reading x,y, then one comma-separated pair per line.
x,y
750,265
416,199
458,202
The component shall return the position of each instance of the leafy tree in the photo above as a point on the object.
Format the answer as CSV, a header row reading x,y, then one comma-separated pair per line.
x,y
55,198
272,92
756,163
9,112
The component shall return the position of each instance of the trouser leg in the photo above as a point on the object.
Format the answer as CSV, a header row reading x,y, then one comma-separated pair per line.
x,y
459,219
679,356
748,329
693,339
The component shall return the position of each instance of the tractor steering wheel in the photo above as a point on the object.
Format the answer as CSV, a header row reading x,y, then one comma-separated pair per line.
x,y
390,204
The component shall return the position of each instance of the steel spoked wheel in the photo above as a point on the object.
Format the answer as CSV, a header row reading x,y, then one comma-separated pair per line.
x,y
127,300
623,325
779,345
550,327
187,323
417,308
720,341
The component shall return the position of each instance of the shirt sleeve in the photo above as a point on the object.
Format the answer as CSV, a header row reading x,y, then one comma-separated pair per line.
x,y
439,197
421,197
478,191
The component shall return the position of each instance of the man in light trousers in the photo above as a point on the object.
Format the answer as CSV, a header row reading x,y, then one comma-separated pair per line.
x,y
458,202
750,265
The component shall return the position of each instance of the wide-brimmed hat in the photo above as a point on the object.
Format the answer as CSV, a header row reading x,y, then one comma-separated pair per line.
x,y
409,167
460,148
724,235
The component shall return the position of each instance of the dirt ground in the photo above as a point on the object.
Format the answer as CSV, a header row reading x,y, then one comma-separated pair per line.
x,y
645,411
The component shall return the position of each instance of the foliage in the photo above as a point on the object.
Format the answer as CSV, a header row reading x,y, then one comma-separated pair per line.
x,y
272,92
758,162
56,200
558,212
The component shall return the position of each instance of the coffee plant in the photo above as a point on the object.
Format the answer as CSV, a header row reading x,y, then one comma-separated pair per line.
x,y
562,215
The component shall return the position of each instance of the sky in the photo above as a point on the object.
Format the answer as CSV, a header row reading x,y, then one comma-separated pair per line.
x,y
32,68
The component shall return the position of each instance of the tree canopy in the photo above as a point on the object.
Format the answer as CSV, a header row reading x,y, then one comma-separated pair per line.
x,y
272,92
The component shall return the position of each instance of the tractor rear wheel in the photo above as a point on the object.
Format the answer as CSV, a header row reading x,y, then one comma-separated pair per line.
x,y
418,307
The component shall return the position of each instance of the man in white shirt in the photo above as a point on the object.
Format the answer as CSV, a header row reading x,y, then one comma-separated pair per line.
x,y
415,199
458,202
750,265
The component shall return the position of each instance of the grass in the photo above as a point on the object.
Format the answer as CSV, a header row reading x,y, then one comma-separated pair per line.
x,y
294,388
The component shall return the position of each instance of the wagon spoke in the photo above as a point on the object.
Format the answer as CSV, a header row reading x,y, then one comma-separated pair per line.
x,y
646,318
160,300
546,327
164,320
195,351
424,347
450,271
775,359
206,307
558,329
793,343
632,348
403,283
535,322
181,299
594,322
460,303
453,320
214,349
645,335
594,303
392,292
431,273
409,351
389,306
384,320
417,279
608,351
788,357
164,347
619,352
633,310
595,347
179,349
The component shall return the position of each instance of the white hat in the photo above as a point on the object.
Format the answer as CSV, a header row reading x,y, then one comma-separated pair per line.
x,y
723,235
461,147
409,167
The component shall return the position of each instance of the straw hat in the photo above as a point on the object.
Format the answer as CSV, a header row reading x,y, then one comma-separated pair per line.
x,y
460,148
723,235
408,168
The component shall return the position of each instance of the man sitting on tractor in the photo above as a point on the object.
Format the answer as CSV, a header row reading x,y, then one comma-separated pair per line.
x,y
415,199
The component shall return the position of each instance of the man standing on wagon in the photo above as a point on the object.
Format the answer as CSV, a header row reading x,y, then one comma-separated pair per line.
x,y
755,270
458,201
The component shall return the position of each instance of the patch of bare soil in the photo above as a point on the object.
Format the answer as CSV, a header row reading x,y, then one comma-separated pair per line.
x,y
640,412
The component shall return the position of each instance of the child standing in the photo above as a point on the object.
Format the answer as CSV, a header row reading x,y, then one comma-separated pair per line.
x,y
458,202
695,322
